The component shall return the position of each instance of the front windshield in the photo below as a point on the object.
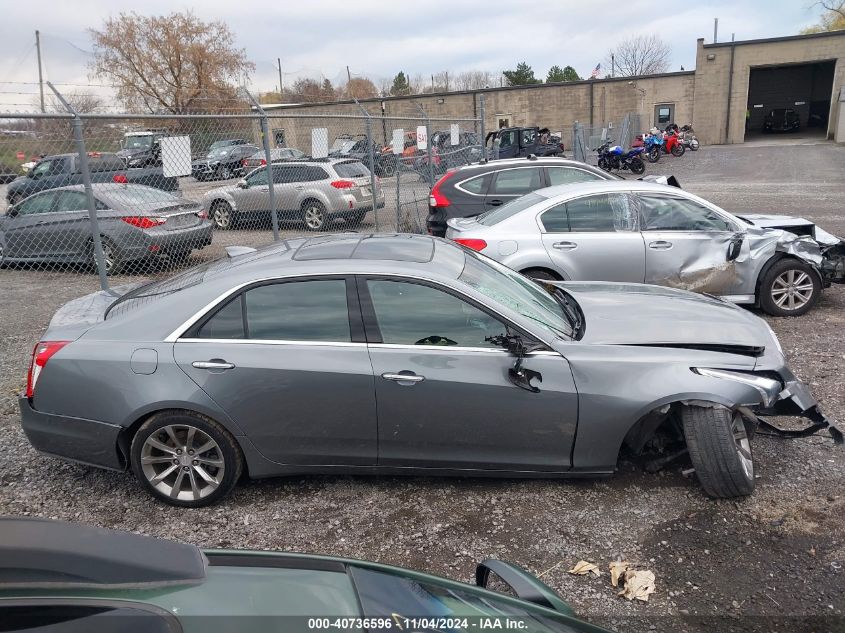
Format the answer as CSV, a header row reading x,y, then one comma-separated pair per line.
x,y
218,152
138,142
520,294
413,604
510,209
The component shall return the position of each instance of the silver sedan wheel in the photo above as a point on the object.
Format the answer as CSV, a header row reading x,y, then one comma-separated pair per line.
x,y
792,290
314,216
182,462
743,446
221,215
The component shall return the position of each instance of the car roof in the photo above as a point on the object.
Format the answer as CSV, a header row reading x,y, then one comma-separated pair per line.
x,y
506,163
605,186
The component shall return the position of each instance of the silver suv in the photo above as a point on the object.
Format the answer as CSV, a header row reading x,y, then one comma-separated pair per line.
x,y
314,192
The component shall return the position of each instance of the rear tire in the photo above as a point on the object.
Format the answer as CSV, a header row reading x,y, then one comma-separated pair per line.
x,y
603,164
789,288
164,465
720,450
314,215
222,217
115,263
636,165
388,169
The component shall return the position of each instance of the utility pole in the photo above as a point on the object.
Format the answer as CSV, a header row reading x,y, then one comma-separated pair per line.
x,y
447,81
715,30
612,65
40,75
281,81
349,83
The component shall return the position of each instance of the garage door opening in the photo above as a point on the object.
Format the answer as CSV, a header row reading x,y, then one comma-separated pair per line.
x,y
789,102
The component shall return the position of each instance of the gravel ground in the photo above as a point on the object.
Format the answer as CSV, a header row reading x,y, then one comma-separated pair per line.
x,y
751,564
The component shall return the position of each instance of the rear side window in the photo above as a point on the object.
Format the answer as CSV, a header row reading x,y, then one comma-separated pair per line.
x,y
292,311
555,220
315,173
517,181
477,185
604,213
352,170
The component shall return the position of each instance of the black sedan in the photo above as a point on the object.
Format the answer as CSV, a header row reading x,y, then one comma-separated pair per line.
x,y
222,163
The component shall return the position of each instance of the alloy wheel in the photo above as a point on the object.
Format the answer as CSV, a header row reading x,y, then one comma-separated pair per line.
x,y
222,216
743,445
182,462
792,290
315,217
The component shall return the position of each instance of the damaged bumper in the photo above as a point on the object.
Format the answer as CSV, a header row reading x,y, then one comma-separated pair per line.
x,y
795,400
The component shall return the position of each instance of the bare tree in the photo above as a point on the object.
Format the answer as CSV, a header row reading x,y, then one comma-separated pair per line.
x,y
360,88
476,80
640,55
833,19
173,63
82,101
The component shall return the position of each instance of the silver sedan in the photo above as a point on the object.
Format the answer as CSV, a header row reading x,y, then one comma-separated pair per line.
x,y
641,232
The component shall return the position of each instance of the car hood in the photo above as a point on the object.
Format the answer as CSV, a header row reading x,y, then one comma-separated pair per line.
x,y
129,153
640,314
791,224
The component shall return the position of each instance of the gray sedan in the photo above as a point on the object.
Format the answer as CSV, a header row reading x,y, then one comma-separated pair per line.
x,y
398,354
632,231
136,223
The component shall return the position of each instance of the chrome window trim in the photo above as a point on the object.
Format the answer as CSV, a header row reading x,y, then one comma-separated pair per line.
x,y
470,193
176,334
456,348
566,199
263,341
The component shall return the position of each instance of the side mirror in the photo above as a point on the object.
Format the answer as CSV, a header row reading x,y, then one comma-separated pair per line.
x,y
735,247
243,184
526,586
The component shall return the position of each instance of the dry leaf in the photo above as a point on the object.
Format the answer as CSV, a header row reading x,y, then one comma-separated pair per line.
x,y
638,585
583,567
617,568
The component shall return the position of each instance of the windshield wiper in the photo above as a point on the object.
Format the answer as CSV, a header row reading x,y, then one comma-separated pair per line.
x,y
569,307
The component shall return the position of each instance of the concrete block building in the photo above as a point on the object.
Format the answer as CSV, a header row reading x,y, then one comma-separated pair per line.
x,y
734,85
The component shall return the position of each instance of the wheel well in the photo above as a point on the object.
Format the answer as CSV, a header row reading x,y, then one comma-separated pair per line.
x,y
310,200
218,202
124,440
779,258
540,269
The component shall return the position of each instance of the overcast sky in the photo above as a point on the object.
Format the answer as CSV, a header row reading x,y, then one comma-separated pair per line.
x,y
377,38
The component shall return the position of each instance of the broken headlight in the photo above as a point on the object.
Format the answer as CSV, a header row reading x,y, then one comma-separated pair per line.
x,y
768,388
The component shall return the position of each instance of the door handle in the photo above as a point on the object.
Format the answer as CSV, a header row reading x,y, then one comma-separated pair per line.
x,y
299,187
409,377
660,245
496,203
565,246
212,364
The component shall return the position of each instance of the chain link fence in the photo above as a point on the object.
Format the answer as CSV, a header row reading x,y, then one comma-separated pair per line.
x,y
145,195
586,139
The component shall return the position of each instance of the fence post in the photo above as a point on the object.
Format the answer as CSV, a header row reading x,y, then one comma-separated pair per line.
x,y
372,159
96,238
483,130
268,158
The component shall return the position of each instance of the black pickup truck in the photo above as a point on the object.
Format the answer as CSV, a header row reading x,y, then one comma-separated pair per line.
x,y
516,142
61,170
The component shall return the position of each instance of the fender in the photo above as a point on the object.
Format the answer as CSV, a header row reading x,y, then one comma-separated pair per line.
x,y
524,259
315,194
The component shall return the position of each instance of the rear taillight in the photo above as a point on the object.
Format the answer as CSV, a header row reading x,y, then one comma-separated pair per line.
x,y
342,184
474,244
243,162
143,222
263,162
202,214
120,179
437,199
41,353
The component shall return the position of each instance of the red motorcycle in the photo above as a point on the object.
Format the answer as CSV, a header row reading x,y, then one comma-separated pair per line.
x,y
672,142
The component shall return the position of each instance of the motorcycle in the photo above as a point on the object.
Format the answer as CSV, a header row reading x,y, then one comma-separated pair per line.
x,y
688,138
617,158
672,143
653,145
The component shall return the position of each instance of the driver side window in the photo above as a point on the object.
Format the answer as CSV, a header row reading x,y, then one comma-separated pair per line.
x,y
667,213
414,314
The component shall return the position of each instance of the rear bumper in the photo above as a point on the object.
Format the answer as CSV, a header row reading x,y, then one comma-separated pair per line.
x,y
163,241
435,223
76,439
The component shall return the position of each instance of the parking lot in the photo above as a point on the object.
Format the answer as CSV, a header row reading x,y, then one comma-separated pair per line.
x,y
783,548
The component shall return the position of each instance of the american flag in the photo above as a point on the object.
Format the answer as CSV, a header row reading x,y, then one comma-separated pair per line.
x,y
596,71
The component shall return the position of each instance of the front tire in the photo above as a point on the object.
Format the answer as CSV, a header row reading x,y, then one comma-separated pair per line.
x,y
653,155
720,450
678,149
223,173
603,164
185,459
789,288
637,166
